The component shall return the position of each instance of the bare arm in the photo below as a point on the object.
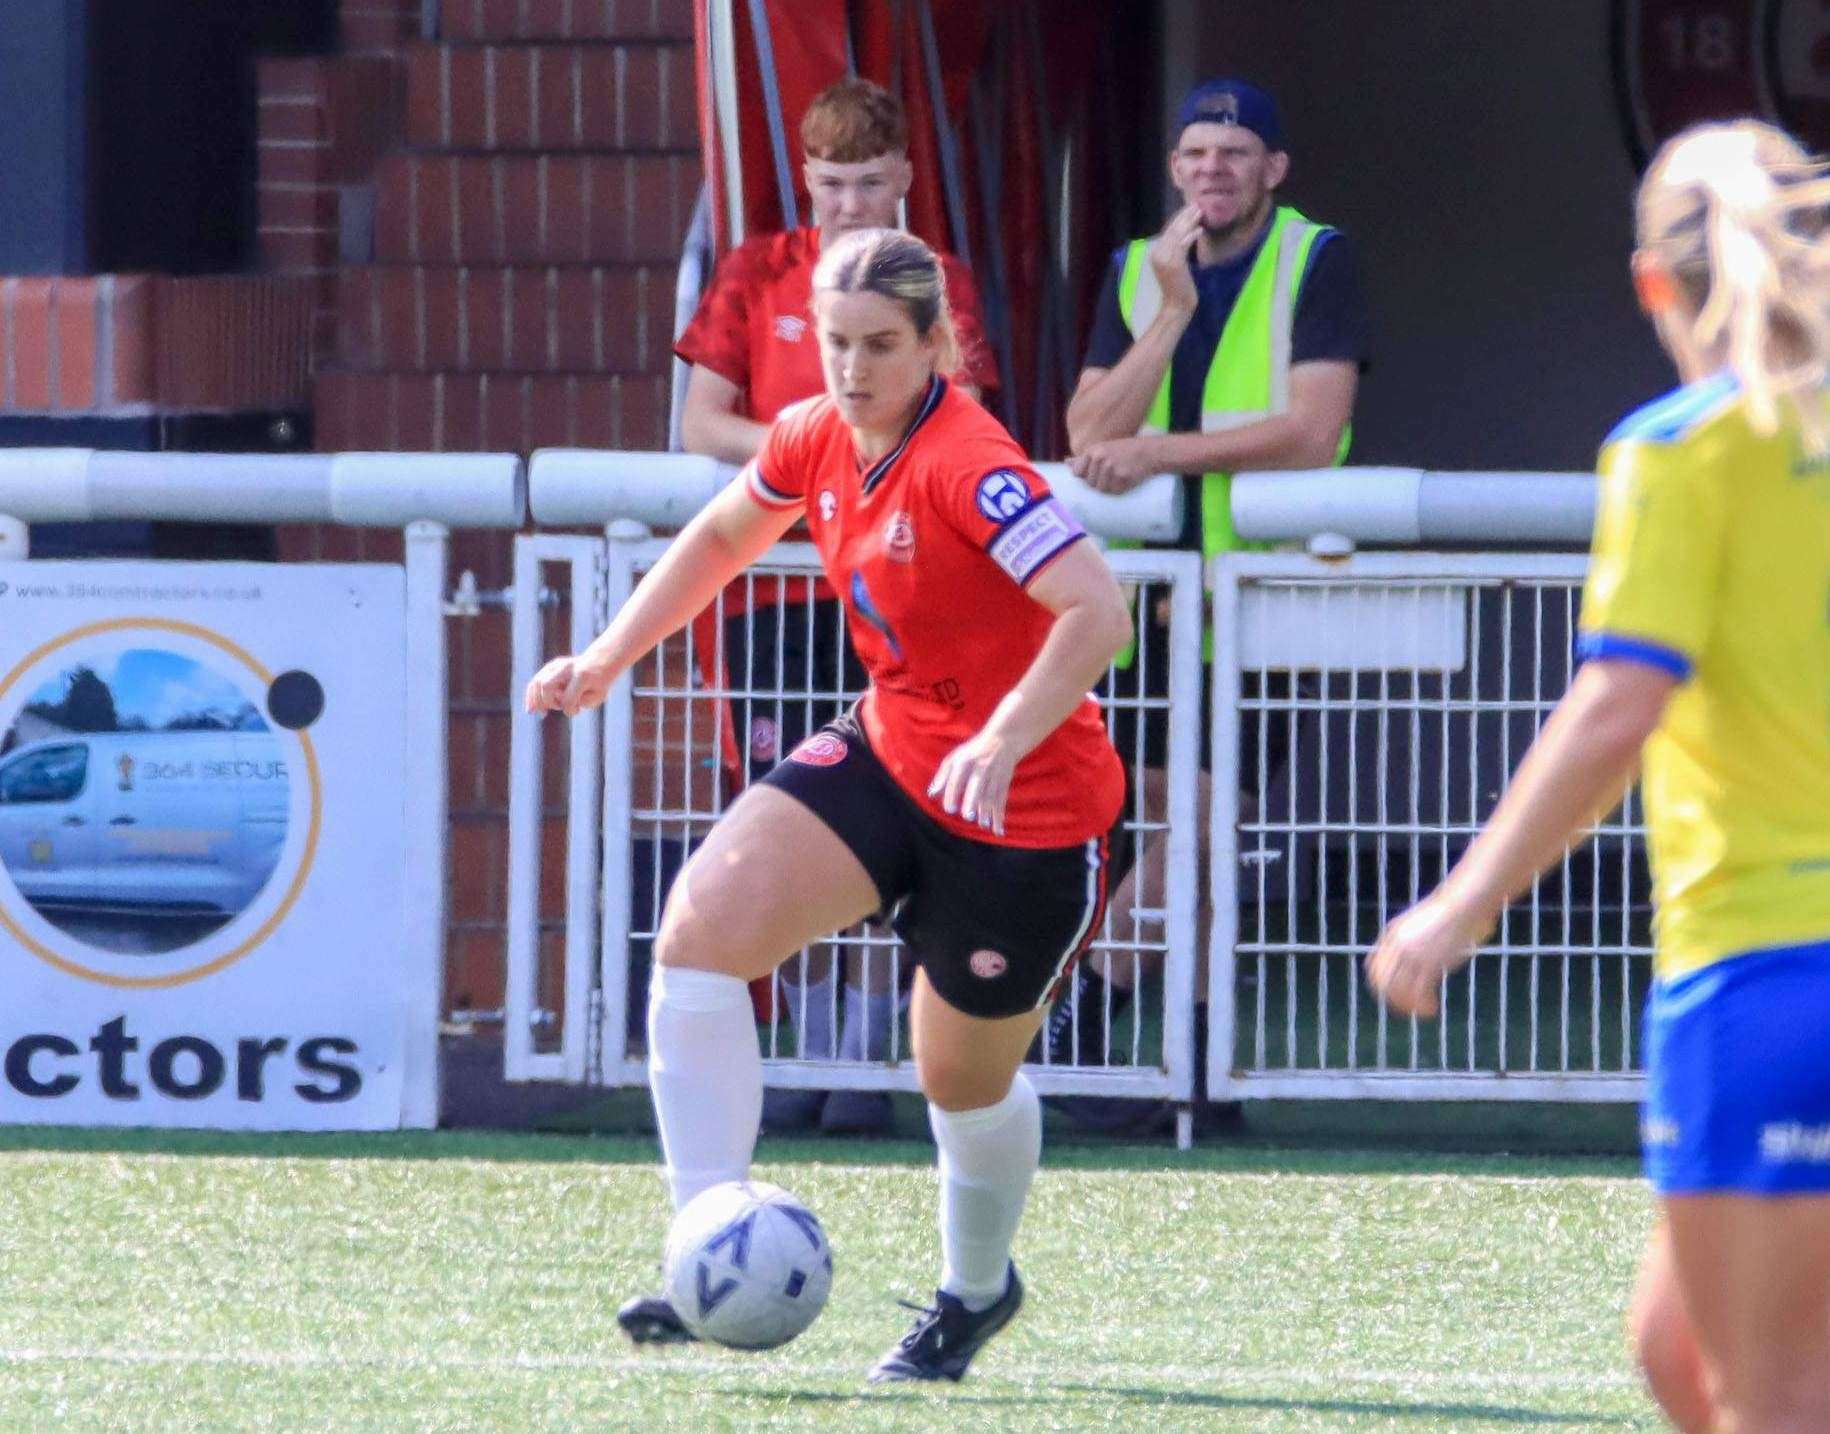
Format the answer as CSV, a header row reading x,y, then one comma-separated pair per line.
x,y
710,422
1579,767
1113,402
1092,624
729,533
1306,435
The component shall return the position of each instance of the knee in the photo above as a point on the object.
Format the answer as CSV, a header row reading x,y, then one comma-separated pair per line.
x,y
701,930
954,1083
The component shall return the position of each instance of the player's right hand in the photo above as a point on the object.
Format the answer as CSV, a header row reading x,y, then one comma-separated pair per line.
x,y
569,684
1169,259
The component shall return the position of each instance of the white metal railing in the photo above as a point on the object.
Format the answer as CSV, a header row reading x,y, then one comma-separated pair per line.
x,y
1387,699
651,817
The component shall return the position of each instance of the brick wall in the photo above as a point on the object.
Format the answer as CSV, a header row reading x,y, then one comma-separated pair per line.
x,y
527,223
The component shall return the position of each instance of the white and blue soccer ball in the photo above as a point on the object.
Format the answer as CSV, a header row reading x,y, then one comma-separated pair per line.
x,y
747,1265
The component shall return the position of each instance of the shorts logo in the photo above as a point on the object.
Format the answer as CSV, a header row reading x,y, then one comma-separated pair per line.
x,y
829,504
822,749
988,965
1792,1143
764,740
899,538
1002,494
790,328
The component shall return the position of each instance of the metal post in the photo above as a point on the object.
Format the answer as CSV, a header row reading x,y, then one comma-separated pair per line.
x,y
426,819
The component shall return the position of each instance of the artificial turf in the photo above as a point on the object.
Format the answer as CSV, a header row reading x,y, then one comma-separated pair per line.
x,y
450,1280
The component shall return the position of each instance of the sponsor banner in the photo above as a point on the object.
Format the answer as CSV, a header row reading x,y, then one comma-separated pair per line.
x,y
202,832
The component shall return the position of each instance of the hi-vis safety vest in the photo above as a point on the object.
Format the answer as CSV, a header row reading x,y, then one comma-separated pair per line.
x,y
1249,376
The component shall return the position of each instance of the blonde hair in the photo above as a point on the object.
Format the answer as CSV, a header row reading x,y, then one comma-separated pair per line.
x,y
898,267
1737,212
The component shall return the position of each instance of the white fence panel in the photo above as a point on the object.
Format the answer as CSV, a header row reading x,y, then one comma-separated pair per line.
x,y
746,680
1363,781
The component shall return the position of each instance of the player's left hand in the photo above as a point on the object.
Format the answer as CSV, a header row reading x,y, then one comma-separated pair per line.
x,y
1116,465
1416,950
973,781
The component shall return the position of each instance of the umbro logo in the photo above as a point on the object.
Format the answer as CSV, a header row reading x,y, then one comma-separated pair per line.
x,y
789,328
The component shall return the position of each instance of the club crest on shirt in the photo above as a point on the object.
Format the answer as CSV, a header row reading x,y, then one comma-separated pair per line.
x,y
988,965
899,538
1002,494
829,504
822,749
789,328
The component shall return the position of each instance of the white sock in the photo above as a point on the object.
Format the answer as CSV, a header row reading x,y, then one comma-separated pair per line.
x,y
810,1009
869,1018
987,1158
705,1070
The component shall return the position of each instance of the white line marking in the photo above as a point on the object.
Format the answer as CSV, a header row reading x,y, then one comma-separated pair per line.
x,y
1205,1375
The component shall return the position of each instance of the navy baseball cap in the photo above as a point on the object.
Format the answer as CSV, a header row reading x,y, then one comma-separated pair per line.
x,y
1232,102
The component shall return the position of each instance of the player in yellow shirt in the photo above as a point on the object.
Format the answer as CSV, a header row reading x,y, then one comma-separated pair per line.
x,y
1706,634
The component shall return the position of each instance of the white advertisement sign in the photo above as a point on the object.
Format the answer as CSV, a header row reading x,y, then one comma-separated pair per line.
x,y
201,845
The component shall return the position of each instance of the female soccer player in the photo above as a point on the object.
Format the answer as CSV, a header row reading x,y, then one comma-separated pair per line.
x,y
1706,633
969,793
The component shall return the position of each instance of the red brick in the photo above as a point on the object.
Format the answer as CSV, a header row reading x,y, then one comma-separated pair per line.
x,y
597,409
467,98
75,301
549,18
493,760
439,217
394,209
476,970
131,324
396,319
439,348
292,163
523,327
505,414
385,545
477,870
511,99
356,299
296,543
599,76
366,103
489,656
464,762
671,19
374,31
519,179
486,310
551,413
638,100
463,413
663,195
368,415
290,79
556,74
427,68
479,210
642,411
559,233
291,120
416,412
31,335
578,319
679,100
307,251
311,207
552,869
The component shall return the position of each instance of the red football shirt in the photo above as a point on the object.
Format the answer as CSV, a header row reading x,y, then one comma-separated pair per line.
x,y
755,324
931,548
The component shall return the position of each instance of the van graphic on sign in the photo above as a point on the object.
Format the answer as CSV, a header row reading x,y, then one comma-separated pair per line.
x,y
193,824
144,802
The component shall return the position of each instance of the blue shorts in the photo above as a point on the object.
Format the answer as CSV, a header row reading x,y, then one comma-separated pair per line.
x,y
1738,1076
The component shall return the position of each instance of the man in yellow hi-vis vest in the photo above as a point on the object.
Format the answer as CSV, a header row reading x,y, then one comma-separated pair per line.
x,y
1232,340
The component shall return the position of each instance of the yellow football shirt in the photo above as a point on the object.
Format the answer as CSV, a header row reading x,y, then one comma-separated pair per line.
x,y
1712,561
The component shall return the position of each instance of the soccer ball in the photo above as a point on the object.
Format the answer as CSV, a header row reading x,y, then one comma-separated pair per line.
x,y
747,1265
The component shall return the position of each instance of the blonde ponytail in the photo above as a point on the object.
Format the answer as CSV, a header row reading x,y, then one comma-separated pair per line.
x,y
1737,212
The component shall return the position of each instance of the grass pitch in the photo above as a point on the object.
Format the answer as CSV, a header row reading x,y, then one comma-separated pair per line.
x,y
450,1281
